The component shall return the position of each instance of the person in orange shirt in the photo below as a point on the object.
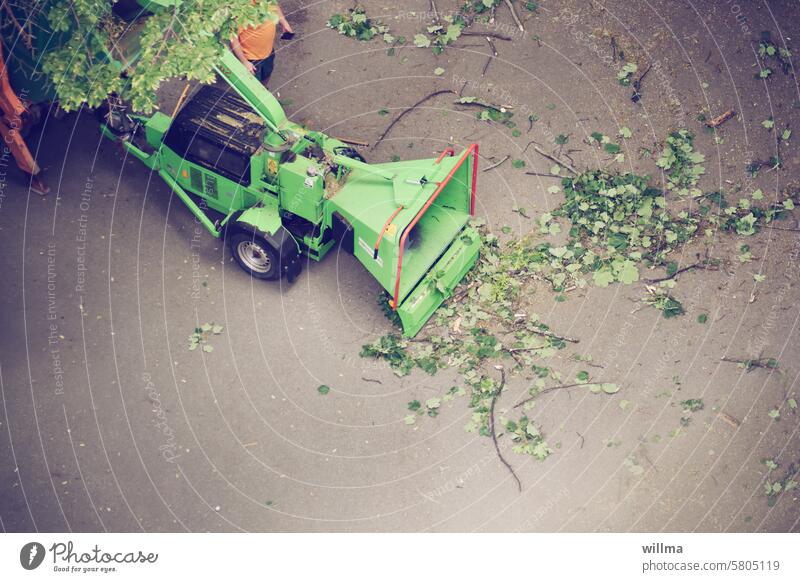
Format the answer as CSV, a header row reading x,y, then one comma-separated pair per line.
x,y
254,45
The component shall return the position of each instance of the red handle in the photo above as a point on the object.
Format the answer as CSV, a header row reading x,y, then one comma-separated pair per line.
x,y
472,149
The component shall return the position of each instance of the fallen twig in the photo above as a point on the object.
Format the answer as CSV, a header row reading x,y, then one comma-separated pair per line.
x,y
460,295
748,364
409,110
491,34
493,166
551,389
637,85
435,12
371,380
491,56
547,333
537,331
729,419
543,175
480,103
355,142
700,265
552,158
720,119
491,427
514,15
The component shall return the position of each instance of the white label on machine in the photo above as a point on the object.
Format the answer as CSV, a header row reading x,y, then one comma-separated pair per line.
x,y
370,250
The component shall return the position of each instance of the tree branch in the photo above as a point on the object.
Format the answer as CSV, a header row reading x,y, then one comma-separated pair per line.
x,y
700,265
493,166
552,158
409,110
491,427
514,15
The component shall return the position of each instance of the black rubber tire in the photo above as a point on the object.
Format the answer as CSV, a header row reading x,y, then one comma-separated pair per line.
x,y
255,256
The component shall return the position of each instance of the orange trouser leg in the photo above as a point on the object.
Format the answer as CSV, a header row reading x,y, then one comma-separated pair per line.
x,y
19,149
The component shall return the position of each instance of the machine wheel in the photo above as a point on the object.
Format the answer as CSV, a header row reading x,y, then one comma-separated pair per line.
x,y
256,256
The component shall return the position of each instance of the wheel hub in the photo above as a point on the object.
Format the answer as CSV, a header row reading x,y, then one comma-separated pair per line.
x,y
254,256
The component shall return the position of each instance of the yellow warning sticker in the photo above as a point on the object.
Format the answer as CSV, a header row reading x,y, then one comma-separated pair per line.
x,y
272,166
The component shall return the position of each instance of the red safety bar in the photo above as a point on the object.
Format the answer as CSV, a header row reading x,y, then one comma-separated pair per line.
x,y
473,149
383,231
447,152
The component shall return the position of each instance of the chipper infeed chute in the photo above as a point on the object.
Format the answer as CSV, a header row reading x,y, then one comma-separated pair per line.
x,y
410,228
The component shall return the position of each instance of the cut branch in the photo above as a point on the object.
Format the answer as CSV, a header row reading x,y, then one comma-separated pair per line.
x,y
543,175
483,104
551,157
720,119
491,56
701,265
493,166
748,364
409,110
550,334
435,12
491,34
494,434
537,331
27,38
514,15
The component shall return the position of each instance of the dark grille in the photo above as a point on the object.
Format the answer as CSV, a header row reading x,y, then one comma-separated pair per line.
x,y
218,130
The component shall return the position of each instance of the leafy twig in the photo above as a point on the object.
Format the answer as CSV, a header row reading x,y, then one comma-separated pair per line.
x,y
491,427
751,364
552,389
550,334
409,110
539,331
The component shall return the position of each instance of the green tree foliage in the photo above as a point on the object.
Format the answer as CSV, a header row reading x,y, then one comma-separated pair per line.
x,y
180,41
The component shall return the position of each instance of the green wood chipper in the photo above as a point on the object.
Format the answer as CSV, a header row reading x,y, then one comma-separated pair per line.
x,y
278,192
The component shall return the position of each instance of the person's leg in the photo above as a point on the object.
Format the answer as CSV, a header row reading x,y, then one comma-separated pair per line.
x,y
266,68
